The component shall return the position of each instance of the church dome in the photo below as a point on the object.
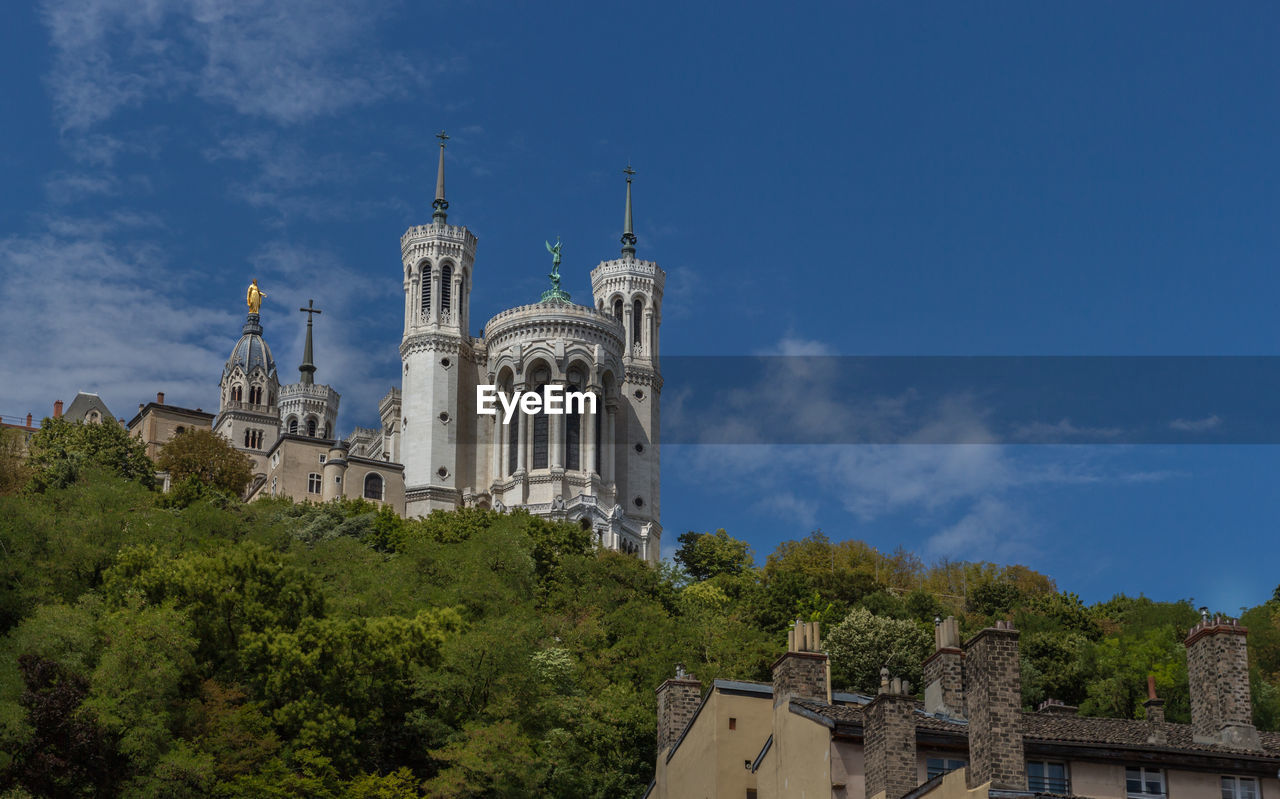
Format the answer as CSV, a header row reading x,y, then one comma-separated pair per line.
x,y
251,351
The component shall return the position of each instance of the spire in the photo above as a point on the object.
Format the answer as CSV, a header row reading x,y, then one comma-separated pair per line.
x,y
441,204
628,235
307,368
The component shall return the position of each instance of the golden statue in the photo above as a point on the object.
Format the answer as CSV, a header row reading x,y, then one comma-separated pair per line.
x,y
254,297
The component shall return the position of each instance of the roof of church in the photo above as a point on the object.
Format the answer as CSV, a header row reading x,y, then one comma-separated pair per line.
x,y
85,402
251,350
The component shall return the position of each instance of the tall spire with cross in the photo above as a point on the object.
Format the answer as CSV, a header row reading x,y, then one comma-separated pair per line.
x,y
308,369
441,204
628,235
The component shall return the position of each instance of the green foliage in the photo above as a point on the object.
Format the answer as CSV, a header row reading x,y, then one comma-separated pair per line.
x,y
864,643
14,473
706,555
219,650
199,461
61,450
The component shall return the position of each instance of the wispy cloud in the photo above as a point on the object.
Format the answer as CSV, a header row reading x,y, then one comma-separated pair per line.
x,y
1196,425
97,307
287,61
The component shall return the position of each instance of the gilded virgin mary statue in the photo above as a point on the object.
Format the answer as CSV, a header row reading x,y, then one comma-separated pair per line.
x,y
254,297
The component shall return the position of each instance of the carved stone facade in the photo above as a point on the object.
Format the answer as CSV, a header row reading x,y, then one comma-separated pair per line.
x,y
599,469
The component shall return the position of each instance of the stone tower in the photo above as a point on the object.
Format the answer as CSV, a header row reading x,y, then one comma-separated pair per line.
x,y
248,413
306,408
630,290
436,357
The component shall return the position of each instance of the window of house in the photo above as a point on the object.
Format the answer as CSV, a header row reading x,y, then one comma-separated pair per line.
x,y
733,723
937,766
1141,783
617,308
275,460
373,487
1047,776
275,481
313,483
180,430
323,457
1240,788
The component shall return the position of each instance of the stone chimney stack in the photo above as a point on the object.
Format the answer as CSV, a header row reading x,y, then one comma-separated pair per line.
x,y
801,672
944,671
57,409
889,740
993,701
1154,707
678,700
159,397
1218,673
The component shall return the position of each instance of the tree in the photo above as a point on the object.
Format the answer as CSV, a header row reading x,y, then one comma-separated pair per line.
x,y
60,450
705,555
864,643
13,468
208,459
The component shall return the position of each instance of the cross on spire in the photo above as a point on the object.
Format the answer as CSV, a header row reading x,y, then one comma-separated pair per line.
x,y
440,204
307,368
628,234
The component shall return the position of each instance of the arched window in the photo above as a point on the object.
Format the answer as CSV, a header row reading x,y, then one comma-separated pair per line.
x,y
540,426
311,427
426,289
636,309
235,393
617,309
446,287
255,395
373,486
513,444
572,433
293,424
246,439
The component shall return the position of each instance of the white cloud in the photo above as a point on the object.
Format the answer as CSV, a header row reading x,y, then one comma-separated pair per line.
x,y
288,61
1196,425
84,312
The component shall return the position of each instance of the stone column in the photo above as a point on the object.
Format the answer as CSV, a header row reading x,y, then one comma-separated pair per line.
x,y
588,421
457,296
555,438
627,309
610,444
499,438
522,436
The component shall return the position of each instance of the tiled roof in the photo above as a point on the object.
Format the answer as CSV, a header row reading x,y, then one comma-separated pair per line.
x,y
1061,728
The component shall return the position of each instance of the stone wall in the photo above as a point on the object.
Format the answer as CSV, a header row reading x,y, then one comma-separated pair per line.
x,y
678,700
993,697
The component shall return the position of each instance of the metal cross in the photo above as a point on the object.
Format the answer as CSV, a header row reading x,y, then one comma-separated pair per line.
x,y
310,309
628,172
443,137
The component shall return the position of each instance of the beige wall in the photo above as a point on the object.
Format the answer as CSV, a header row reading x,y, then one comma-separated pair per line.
x,y
294,460
159,424
847,768
712,760
799,763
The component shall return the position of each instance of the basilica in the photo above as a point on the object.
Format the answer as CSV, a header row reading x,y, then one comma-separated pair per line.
x,y
433,448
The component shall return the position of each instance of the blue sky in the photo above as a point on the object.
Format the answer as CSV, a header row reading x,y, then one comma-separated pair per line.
x,y
890,179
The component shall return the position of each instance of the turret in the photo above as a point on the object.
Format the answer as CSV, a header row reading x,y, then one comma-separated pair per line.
x,y
437,260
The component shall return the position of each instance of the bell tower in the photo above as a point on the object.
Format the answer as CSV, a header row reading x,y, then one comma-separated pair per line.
x,y
630,290
434,352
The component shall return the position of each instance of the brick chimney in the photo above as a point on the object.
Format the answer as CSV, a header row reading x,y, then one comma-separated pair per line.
x,y
1218,673
1154,706
1056,707
159,397
889,740
944,671
801,672
678,700
28,420
993,699
57,409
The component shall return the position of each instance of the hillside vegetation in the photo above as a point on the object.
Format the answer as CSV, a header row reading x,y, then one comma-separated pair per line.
x,y
207,648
